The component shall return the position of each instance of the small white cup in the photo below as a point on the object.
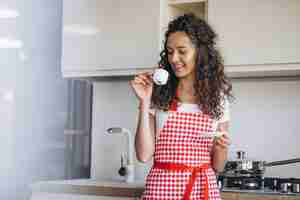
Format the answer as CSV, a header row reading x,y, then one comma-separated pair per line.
x,y
160,76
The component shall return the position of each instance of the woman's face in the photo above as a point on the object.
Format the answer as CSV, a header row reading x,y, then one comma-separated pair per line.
x,y
181,54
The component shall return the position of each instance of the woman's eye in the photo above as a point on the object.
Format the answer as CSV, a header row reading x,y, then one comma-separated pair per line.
x,y
182,52
169,52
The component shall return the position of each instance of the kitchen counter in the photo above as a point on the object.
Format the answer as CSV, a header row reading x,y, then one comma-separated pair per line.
x,y
134,190
90,187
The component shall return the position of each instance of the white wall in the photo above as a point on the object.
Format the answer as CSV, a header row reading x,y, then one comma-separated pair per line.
x,y
114,104
265,123
33,97
41,92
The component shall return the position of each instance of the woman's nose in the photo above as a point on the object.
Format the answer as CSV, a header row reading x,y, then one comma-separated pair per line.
x,y
174,58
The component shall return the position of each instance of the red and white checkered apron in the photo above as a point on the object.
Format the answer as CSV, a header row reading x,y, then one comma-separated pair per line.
x,y
182,169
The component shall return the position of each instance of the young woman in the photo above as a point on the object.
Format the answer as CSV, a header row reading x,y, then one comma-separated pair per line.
x,y
192,105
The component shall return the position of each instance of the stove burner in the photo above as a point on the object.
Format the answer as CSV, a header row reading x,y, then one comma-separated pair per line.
x,y
244,183
283,185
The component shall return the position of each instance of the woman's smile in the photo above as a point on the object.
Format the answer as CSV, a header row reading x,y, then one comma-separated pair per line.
x,y
178,67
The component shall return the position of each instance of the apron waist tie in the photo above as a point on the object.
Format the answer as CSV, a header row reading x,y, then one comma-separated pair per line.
x,y
192,179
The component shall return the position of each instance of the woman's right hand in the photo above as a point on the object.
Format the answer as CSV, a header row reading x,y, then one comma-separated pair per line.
x,y
142,85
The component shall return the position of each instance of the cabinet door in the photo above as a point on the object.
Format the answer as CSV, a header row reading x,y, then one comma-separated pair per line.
x,y
110,35
257,32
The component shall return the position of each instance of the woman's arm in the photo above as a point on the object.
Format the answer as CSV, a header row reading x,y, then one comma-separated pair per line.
x,y
220,148
142,85
145,133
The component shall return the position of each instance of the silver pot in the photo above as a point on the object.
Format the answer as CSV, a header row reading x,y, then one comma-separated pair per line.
x,y
243,166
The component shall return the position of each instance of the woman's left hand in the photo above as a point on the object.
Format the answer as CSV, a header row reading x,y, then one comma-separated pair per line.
x,y
221,143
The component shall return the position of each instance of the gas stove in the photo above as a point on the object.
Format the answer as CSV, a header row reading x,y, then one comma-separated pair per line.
x,y
270,184
244,175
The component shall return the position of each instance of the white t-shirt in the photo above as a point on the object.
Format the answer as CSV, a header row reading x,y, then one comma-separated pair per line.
x,y
161,116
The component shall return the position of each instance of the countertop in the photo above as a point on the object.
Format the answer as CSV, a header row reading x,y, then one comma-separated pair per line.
x,y
122,189
91,187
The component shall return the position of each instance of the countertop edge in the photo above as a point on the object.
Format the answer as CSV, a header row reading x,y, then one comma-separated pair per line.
x,y
102,188
88,189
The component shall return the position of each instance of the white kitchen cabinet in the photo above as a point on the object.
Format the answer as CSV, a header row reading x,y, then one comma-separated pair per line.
x,y
258,37
114,38
108,38
117,35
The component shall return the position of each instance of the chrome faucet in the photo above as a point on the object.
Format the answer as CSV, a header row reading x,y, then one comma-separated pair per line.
x,y
129,166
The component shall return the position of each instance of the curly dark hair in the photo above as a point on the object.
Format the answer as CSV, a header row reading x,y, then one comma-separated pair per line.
x,y
212,86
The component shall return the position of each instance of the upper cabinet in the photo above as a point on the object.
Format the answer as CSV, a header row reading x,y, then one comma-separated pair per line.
x,y
113,38
102,37
258,38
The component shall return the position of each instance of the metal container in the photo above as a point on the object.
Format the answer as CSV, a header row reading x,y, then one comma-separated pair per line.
x,y
285,187
244,168
296,187
241,155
